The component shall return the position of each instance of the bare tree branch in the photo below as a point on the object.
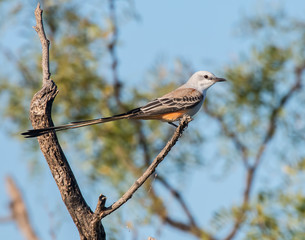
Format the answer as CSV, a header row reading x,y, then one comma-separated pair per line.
x,y
18,210
192,226
188,228
150,170
238,144
274,115
40,115
179,199
251,170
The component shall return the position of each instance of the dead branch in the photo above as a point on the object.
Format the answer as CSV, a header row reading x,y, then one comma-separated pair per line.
x,y
40,116
230,134
45,43
19,213
190,226
178,198
272,126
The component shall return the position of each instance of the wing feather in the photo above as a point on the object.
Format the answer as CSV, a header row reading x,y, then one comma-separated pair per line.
x,y
180,99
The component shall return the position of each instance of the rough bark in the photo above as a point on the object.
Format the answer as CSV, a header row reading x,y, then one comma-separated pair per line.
x,y
40,115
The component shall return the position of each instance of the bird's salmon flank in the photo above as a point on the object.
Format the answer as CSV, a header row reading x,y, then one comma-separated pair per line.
x,y
172,117
186,99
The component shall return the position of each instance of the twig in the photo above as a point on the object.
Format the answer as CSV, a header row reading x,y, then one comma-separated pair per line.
x,y
238,144
45,43
18,210
150,170
179,199
188,228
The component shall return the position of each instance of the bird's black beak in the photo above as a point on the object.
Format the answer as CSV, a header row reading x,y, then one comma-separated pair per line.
x,y
219,79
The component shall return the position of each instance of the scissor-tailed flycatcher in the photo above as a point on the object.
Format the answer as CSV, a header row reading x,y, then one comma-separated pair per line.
x,y
186,99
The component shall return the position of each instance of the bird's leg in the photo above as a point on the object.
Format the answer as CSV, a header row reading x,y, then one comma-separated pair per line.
x,y
173,124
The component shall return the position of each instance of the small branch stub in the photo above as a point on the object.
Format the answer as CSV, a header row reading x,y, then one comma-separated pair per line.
x,y
100,204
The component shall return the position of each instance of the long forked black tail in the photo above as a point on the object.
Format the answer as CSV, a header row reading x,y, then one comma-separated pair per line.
x,y
40,131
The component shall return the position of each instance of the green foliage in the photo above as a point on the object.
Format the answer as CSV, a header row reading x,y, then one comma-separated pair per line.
x,y
277,215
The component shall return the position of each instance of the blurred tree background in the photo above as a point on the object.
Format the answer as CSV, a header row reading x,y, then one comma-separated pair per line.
x,y
255,123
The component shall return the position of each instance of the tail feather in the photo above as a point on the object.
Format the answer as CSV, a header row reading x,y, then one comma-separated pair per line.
x,y
41,131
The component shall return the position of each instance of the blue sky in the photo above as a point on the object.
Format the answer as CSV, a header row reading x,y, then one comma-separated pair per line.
x,y
202,32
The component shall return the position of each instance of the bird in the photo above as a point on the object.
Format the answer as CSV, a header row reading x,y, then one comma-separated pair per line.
x,y
187,99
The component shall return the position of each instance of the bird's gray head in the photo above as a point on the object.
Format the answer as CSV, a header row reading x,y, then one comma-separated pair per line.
x,y
202,80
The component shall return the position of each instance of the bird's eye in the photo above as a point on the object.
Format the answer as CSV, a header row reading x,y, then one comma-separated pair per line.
x,y
206,76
